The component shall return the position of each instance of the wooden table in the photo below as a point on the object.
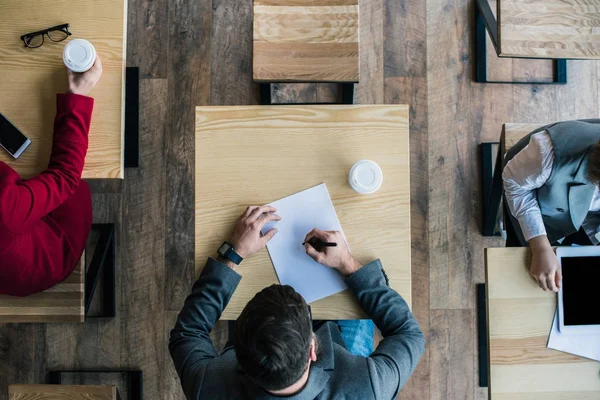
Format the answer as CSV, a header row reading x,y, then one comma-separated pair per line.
x,y
62,392
306,41
519,318
62,303
253,155
30,79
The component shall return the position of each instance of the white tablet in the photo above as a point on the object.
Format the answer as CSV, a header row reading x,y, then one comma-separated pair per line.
x,y
579,295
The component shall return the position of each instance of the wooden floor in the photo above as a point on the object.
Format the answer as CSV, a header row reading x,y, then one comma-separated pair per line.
x,y
198,52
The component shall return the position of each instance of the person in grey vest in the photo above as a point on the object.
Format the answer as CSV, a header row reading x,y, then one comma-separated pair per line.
x,y
274,351
551,180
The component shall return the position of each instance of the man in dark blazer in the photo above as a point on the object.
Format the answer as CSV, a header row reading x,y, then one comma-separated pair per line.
x,y
275,352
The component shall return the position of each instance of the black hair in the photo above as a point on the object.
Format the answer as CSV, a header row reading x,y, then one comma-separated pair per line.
x,y
273,337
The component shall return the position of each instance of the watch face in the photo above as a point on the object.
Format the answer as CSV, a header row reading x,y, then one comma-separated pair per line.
x,y
224,249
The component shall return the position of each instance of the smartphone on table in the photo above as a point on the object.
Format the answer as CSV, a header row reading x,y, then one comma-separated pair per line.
x,y
11,138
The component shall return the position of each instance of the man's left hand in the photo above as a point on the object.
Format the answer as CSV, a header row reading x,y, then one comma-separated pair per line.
x,y
246,238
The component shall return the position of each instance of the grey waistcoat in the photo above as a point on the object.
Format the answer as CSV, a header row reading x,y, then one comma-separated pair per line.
x,y
566,197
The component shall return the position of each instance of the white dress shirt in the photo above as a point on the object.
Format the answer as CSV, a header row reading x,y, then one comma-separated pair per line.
x,y
528,171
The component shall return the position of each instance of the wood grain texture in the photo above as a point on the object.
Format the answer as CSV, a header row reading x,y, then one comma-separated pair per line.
x,y
143,243
61,392
231,54
62,303
519,319
451,351
376,226
513,132
549,29
32,77
314,42
189,80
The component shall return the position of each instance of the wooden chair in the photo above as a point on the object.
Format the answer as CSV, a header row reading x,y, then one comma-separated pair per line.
x,y
61,303
70,300
62,392
492,164
556,30
306,41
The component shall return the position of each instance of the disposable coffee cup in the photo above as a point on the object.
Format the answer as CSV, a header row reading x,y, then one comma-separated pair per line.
x,y
365,177
79,55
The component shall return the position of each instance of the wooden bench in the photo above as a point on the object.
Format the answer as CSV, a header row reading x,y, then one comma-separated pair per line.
x,y
61,303
519,317
492,164
305,41
62,392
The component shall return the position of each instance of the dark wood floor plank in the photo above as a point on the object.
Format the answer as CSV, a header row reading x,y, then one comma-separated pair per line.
x,y
451,354
294,93
405,38
189,77
450,154
152,37
172,386
22,360
143,249
231,47
413,91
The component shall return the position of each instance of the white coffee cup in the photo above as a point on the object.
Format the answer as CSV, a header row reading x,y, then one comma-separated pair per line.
x,y
79,55
365,177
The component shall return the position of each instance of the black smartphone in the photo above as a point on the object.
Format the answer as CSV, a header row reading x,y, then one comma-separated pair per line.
x,y
11,139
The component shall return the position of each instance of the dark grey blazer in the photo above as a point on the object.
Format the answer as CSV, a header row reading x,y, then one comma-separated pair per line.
x,y
337,374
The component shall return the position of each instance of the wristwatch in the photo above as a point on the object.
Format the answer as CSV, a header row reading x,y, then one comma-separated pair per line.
x,y
226,250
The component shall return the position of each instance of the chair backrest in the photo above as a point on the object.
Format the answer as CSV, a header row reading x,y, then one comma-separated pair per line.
x,y
306,41
62,303
62,392
513,132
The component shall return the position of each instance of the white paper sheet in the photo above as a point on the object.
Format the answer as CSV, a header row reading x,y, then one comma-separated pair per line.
x,y
587,346
300,213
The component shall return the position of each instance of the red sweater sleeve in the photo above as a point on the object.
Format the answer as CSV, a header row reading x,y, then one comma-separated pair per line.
x,y
25,202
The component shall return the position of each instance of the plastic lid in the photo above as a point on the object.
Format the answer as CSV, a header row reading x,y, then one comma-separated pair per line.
x,y
365,177
79,55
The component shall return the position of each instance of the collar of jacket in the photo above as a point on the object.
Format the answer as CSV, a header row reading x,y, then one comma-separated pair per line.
x,y
317,378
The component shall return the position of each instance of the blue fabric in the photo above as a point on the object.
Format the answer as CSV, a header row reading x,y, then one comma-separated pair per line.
x,y
358,336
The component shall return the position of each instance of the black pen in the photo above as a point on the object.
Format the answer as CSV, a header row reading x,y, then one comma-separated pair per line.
x,y
318,244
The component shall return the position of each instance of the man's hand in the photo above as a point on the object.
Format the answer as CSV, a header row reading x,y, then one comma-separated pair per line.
x,y
545,267
246,238
83,83
338,257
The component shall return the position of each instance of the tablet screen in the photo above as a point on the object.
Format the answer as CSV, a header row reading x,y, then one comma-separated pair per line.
x,y
581,294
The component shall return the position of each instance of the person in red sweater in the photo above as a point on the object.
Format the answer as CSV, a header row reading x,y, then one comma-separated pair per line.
x,y
45,221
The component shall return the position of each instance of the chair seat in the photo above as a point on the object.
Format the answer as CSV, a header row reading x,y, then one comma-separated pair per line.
x,y
306,41
61,303
513,132
62,392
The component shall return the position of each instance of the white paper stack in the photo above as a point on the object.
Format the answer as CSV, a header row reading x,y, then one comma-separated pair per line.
x,y
587,346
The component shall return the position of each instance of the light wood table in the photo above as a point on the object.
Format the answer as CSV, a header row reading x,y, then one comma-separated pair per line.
x,y
254,155
62,392
30,79
63,303
519,318
306,41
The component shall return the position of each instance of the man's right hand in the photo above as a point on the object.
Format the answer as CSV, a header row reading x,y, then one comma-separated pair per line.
x,y
338,257
83,83
545,267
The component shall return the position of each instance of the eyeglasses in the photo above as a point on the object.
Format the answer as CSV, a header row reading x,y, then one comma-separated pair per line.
x,y
56,34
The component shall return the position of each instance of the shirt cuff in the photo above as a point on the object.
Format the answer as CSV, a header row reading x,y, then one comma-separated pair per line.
x,y
532,224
